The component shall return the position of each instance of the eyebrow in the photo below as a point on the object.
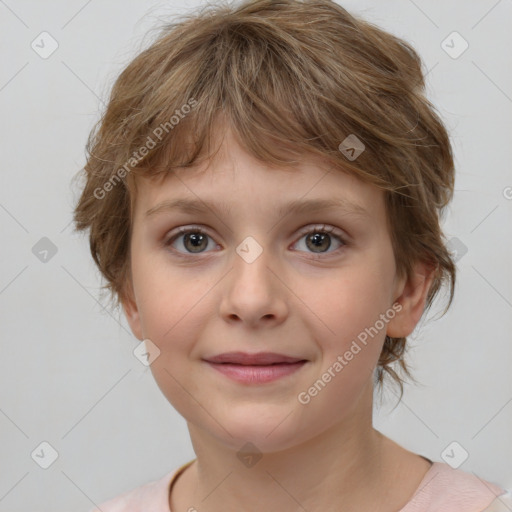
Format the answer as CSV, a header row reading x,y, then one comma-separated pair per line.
x,y
298,206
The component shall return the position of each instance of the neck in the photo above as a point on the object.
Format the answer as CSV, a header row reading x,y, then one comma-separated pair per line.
x,y
348,463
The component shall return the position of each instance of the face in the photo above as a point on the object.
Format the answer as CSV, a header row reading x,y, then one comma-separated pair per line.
x,y
260,277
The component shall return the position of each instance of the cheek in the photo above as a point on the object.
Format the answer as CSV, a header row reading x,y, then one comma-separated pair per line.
x,y
172,313
166,298
168,314
350,311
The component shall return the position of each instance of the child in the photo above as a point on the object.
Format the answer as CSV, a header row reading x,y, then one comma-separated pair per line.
x,y
263,198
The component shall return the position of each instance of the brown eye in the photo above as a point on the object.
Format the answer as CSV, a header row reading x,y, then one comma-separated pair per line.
x,y
318,240
193,241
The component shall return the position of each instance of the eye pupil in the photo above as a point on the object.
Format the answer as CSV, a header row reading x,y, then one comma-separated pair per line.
x,y
196,239
318,240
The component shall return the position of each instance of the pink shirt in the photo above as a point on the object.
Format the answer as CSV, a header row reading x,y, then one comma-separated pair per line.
x,y
443,489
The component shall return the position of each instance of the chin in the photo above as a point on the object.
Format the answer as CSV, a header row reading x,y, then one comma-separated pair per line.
x,y
267,431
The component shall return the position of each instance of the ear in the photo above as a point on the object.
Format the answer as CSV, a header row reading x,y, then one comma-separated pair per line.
x,y
412,295
131,311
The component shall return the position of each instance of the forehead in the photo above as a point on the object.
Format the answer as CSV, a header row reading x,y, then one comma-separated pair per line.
x,y
234,179
260,190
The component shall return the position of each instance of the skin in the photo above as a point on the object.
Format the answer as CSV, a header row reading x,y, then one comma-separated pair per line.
x,y
316,455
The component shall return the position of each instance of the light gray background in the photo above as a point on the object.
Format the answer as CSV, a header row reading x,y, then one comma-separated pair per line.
x,y
68,375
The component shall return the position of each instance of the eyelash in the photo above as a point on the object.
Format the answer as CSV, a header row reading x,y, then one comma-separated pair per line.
x,y
325,229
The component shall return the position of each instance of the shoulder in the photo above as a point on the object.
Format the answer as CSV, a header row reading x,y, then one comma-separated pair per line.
x,y
502,503
444,489
150,496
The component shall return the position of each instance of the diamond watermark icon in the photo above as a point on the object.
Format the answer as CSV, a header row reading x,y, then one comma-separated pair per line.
x,y
454,45
146,352
454,454
351,147
44,45
249,250
249,455
44,249
457,248
44,455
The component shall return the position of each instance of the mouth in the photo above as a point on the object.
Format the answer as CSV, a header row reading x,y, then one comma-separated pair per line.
x,y
257,359
255,368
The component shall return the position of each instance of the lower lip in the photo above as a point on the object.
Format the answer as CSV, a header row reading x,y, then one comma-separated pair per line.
x,y
256,374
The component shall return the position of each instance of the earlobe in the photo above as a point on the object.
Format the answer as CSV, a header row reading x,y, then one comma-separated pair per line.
x,y
131,312
412,299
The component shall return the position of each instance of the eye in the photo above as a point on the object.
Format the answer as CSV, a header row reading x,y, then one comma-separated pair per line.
x,y
318,238
194,239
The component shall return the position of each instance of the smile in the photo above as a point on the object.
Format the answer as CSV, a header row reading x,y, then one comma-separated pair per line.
x,y
256,374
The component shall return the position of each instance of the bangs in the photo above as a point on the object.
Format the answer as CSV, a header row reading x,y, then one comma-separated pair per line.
x,y
281,103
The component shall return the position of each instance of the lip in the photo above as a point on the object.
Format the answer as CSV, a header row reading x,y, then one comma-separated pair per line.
x,y
255,368
259,358
256,374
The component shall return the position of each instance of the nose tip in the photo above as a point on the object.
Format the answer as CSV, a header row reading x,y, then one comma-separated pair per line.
x,y
252,292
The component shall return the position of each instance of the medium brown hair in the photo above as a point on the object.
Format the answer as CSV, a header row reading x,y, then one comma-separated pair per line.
x,y
292,78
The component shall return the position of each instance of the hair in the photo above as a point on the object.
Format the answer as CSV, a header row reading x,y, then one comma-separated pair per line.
x,y
292,78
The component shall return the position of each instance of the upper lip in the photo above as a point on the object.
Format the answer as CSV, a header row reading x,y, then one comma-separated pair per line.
x,y
260,358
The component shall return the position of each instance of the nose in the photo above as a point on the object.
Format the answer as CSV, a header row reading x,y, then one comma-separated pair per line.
x,y
253,293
